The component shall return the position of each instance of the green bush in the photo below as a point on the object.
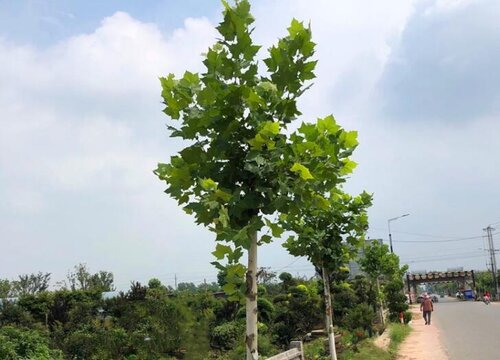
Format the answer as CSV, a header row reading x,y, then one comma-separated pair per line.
x,y
360,317
13,314
297,316
407,316
316,350
226,336
395,298
18,343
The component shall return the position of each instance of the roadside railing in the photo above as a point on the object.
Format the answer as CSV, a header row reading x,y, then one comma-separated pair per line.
x,y
296,352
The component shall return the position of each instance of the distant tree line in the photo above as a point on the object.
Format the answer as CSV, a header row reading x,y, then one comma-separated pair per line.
x,y
78,279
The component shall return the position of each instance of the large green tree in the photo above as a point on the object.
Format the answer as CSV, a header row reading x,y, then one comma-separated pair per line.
x,y
239,169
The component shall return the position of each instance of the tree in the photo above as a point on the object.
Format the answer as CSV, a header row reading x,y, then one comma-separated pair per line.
x,y
329,236
377,261
265,276
154,283
239,169
30,284
187,286
79,279
5,288
82,279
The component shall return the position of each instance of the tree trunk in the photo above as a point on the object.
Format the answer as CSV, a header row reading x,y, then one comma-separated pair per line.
x,y
381,304
251,300
328,314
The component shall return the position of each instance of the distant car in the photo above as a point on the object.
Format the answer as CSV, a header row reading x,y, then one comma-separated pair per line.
x,y
434,298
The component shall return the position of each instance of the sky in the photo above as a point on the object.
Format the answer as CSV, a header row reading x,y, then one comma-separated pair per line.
x,y
82,128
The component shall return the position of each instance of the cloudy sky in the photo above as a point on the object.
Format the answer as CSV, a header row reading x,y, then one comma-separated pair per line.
x,y
81,128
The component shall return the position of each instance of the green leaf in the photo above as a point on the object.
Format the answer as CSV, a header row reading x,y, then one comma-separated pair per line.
x,y
254,100
328,124
265,239
304,172
276,229
221,251
224,196
296,28
348,167
349,138
271,128
268,86
223,218
192,154
208,184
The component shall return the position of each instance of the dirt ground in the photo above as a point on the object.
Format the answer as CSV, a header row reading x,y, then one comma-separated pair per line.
x,y
423,343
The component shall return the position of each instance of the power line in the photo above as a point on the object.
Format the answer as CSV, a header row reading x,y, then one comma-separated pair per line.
x,y
477,252
443,258
439,241
423,235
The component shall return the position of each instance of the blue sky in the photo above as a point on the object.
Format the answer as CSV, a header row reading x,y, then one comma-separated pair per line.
x,y
43,22
82,128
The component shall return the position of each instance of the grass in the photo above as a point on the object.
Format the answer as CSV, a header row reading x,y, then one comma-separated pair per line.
x,y
365,350
398,332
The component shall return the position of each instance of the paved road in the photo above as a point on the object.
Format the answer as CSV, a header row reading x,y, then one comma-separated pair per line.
x,y
469,330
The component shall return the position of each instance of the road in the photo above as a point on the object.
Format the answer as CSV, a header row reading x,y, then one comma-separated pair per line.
x,y
469,330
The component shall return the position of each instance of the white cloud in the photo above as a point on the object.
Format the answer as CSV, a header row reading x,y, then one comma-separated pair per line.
x,y
82,130
354,40
443,6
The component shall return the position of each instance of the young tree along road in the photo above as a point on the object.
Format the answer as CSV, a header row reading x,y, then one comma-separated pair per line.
x,y
239,169
330,237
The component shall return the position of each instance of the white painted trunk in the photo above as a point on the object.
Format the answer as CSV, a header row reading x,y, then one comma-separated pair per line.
x,y
328,315
381,304
251,301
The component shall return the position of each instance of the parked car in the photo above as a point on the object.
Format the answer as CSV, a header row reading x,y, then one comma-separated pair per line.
x,y
434,298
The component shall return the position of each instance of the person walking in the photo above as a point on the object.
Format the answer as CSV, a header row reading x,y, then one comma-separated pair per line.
x,y
427,307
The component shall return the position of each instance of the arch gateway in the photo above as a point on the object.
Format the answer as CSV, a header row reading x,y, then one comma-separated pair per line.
x,y
413,280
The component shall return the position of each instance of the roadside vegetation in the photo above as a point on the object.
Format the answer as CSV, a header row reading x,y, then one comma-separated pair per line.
x,y
362,350
192,322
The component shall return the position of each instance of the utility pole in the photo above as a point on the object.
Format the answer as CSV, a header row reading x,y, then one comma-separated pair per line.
x,y
175,276
493,260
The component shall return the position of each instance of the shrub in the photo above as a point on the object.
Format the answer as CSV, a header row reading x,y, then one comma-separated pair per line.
x,y
407,316
266,311
225,336
360,317
297,316
18,343
396,300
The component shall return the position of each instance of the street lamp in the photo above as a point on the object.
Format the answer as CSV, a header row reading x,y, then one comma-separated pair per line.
x,y
389,226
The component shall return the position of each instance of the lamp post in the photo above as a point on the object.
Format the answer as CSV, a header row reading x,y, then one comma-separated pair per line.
x,y
389,226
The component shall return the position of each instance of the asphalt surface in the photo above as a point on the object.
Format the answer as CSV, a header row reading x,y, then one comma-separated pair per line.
x,y
469,330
